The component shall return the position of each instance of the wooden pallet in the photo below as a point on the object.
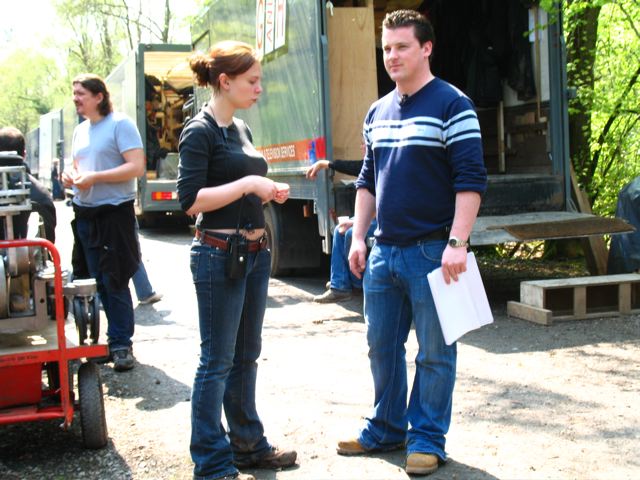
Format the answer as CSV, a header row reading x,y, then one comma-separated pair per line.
x,y
545,301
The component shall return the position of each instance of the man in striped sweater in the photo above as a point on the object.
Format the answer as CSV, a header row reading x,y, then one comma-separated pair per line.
x,y
423,176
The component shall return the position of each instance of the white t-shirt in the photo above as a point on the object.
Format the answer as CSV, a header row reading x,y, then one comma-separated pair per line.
x,y
97,147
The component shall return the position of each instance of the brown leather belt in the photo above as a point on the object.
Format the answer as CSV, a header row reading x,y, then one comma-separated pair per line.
x,y
223,244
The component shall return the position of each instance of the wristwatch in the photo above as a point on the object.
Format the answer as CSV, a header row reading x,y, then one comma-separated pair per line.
x,y
455,242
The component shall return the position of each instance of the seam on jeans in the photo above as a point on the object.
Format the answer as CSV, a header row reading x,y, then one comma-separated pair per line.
x,y
207,345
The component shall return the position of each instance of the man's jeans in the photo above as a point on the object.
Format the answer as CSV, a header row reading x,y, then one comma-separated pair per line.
x,y
141,282
396,291
117,304
231,314
341,277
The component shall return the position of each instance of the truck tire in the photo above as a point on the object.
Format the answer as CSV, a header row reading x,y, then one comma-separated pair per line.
x,y
274,235
92,418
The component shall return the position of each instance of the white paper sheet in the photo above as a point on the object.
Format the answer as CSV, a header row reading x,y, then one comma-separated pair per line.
x,y
463,305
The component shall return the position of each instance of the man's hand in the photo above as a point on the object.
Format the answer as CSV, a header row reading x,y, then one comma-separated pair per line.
x,y
313,170
84,180
454,262
67,178
344,226
357,257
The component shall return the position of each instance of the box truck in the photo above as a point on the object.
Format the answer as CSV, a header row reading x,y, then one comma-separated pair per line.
x,y
322,69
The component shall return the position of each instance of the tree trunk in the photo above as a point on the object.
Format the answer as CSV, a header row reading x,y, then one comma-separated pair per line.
x,y
581,48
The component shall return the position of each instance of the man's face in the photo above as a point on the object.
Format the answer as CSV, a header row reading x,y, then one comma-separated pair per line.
x,y
404,58
85,101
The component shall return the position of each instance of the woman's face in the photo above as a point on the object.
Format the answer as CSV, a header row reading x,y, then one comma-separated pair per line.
x,y
244,89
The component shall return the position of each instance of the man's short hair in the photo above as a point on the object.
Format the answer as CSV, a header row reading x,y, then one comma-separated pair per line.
x,y
422,28
12,140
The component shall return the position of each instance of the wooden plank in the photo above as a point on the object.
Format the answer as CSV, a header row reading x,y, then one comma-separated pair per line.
x,y
624,298
586,281
532,294
353,80
580,302
530,313
595,248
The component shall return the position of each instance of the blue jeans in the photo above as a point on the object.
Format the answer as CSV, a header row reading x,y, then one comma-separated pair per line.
x,y
117,304
396,292
231,314
341,277
140,279
141,283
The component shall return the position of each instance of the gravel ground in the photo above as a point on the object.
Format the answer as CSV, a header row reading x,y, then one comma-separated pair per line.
x,y
531,402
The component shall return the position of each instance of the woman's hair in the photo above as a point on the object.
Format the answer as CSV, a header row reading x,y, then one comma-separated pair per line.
x,y
96,85
422,28
230,57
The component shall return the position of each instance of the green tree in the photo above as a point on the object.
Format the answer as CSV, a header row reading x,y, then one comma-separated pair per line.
x,y
603,50
28,84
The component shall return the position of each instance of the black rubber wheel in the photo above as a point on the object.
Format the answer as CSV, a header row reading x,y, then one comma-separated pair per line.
x,y
92,418
94,320
81,316
272,229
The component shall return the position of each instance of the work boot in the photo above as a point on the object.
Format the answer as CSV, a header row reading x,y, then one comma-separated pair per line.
x,y
123,359
272,460
350,447
332,296
421,464
237,476
353,447
153,298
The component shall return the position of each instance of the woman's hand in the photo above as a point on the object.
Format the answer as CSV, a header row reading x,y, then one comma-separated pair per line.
x,y
263,187
282,193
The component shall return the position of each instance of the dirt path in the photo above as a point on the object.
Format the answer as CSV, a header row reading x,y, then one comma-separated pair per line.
x,y
531,402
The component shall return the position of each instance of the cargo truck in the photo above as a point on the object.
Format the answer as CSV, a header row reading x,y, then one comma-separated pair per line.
x,y
151,86
322,69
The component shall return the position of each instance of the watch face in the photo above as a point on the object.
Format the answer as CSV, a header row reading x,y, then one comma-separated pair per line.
x,y
453,242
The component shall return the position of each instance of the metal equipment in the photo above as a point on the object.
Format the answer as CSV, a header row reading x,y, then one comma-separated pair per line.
x,y
37,357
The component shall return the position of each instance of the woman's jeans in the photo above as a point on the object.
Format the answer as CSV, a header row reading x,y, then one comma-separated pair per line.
x,y
396,292
231,314
117,304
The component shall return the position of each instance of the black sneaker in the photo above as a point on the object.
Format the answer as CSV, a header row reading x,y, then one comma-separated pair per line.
x,y
123,359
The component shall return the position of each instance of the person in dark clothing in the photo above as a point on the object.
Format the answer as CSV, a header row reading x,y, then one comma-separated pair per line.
x,y
12,140
342,283
107,159
222,180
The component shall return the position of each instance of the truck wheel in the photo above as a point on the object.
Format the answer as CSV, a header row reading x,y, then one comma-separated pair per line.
x,y
92,418
272,228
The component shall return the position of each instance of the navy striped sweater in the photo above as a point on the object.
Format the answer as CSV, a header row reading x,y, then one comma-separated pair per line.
x,y
418,156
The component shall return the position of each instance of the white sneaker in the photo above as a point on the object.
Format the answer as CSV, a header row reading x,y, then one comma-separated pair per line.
x,y
155,297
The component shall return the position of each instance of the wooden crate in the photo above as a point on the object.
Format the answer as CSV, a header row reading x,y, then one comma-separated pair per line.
x,y
544,301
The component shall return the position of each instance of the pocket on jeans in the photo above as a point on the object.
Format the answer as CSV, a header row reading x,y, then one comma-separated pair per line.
x,y
432,251
194,263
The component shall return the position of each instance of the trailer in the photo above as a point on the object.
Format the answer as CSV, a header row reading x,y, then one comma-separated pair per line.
x,y
50,140
151,86
322,69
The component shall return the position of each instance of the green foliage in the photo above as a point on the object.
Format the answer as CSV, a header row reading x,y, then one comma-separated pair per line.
x,y
29,88
605,115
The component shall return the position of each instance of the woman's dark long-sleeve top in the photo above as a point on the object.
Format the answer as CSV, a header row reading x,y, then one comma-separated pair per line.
x,y
211,156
